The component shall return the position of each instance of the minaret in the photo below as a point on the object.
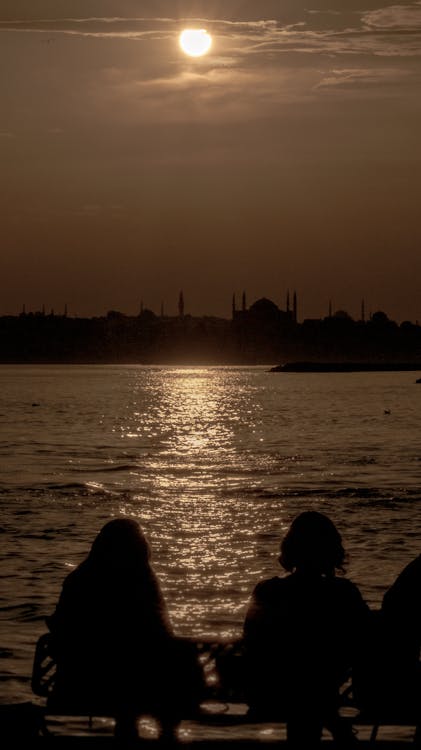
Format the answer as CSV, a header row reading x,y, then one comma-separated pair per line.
x,y
233,306
294,305
181,305
244,302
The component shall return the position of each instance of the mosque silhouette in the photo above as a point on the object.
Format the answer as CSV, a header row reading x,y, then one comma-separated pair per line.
x,y
261,333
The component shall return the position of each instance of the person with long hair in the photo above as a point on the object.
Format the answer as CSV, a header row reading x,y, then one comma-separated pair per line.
x,y
112,636
301,634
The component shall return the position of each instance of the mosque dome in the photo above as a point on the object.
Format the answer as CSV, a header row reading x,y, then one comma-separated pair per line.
x,y
264,308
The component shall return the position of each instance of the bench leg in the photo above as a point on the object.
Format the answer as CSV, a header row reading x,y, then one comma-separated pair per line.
x,y
168,729
373,735
126,727
343,733
305,732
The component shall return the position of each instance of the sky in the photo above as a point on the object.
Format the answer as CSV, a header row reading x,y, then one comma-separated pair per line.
x,y
289,157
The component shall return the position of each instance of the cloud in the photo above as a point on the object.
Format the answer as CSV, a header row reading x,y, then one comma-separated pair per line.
x,y
134,27
368,34
349,78
257,65
395,17
206,95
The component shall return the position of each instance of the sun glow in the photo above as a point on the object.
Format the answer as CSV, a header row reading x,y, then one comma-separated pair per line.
x,y
195,42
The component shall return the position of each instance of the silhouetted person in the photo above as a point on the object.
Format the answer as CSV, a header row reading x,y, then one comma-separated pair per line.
x,y
388,681
401,613
401,607
111,633
301,632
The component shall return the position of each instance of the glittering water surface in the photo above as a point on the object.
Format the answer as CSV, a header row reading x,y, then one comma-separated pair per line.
x,y
214,463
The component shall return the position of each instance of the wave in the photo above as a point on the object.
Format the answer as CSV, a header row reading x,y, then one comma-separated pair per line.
x,y
363,461
109,469
23,613
15,678
398,495
234,487
52,493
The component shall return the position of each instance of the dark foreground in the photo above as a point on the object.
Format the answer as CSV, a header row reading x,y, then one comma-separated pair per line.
x,y
18,730
100,743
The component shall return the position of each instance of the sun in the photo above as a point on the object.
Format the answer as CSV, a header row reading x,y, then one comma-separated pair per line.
x,y
195,42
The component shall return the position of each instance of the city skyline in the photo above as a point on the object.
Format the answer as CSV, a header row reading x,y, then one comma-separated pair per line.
x,y
254,334
287,157
178,307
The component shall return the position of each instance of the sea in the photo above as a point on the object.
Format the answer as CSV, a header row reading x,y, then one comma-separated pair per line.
x,y
215,463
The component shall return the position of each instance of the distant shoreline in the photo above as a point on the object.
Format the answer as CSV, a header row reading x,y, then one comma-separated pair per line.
x,y
262,334
347,367
286,367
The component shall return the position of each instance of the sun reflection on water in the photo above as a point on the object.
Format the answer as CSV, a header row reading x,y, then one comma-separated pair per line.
x,y
206,538
208,553
196,413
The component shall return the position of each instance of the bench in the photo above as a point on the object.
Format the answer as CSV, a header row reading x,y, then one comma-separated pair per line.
x,y
224,702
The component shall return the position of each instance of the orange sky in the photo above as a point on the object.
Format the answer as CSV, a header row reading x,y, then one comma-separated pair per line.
x,y
288,157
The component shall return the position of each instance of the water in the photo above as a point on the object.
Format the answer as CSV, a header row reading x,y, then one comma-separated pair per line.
x,y
214,463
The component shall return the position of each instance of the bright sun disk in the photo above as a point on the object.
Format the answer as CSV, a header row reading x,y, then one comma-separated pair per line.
x,y
195,42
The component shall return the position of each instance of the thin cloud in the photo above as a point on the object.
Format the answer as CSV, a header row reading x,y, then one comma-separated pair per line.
x,y
206,94
64,25
33,22
395,17
356,77
393,31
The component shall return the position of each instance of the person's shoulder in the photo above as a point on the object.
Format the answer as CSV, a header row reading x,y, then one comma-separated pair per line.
x,y
412,571
348,592
405,586
269,588
344,585
76,577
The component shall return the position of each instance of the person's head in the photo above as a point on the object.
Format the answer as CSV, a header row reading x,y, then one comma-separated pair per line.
x,y
312,543
121,543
